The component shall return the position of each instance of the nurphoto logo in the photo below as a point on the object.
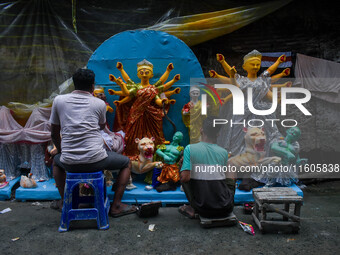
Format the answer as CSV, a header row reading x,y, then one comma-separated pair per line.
x,y
238,102
238,105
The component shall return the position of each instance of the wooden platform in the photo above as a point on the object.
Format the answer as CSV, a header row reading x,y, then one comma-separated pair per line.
x,y
268,200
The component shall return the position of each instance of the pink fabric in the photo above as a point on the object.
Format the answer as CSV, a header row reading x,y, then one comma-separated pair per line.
x,y
36,130
15,154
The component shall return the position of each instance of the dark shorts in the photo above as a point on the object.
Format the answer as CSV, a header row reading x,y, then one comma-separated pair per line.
x,y
113,161
207,210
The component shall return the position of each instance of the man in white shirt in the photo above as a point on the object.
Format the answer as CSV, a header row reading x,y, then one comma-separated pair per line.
x,y
76,121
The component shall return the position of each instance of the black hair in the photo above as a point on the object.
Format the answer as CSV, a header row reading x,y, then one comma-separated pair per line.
x,y
208,127
83,79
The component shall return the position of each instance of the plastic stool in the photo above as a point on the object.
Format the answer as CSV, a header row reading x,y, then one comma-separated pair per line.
x,y
72,200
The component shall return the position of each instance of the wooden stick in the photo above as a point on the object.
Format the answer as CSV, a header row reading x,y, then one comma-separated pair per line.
x,y
257,221
279,223
291,216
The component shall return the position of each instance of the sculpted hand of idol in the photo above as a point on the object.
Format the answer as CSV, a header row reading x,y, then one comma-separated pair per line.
x,y
144,72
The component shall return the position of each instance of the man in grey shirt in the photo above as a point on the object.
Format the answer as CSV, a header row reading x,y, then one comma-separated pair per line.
x,y
76,121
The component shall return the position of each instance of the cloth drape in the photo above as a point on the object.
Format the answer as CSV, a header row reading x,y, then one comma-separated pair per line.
x,y
321,77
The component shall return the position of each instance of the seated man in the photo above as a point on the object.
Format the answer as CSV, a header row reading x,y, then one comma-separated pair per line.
x,y
78,117
207,187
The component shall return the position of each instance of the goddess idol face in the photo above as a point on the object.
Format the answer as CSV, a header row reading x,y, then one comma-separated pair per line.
x,y
252,65
145,73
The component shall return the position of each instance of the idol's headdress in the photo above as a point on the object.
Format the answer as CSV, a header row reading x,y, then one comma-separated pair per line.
x,y
251,55
145,64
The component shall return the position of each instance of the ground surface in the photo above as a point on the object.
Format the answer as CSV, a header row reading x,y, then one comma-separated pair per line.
x,y
36,226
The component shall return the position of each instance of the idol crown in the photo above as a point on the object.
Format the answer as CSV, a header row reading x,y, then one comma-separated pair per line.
x,y
144,64
252,54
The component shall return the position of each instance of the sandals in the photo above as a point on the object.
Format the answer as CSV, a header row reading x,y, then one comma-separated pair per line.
x,y
127,210
184,211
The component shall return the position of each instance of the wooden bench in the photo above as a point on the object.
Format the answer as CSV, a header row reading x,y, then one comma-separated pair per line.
x,y
267,200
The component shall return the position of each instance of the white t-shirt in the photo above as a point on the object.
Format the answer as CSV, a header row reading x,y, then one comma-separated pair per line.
x,y
79,115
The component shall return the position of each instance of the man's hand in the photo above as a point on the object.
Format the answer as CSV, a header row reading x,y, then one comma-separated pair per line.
x,y
185,176
53,152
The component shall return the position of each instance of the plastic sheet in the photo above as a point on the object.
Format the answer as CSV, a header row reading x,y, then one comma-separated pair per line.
x,y
38,50
195,29
25,155
9,160
312,72
14,156
40,47
21,112
38,166
232,137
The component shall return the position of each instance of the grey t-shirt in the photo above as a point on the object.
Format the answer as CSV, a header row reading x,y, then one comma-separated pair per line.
x,y
79,115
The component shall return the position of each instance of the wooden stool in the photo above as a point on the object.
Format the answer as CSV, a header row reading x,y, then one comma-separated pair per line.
x,y
264,200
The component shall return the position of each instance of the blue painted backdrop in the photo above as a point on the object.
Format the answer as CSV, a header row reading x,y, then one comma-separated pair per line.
x,y
160,49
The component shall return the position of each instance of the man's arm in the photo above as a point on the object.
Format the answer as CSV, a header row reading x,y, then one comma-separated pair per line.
x,y
55,135
185,176
186,166
102,117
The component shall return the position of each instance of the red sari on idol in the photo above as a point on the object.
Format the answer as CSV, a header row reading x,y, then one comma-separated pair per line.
x,y
145,119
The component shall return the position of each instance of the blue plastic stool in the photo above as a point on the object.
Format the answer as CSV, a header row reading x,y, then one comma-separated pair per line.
x,y
72,200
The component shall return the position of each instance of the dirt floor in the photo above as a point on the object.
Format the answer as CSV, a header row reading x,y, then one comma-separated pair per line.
x,y
36,227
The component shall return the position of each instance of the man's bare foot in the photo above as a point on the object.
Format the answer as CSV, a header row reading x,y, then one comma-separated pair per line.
x,y
121,210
